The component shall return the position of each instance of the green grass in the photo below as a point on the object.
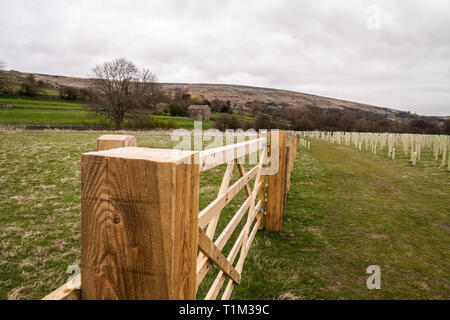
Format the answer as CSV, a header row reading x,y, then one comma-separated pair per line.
x,y
184,123
245,117
45,117
31,111
346,210
349,210
41,104
51,91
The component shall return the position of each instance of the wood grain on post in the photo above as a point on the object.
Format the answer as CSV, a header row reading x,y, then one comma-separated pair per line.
x,y
139,212
276,184
108,142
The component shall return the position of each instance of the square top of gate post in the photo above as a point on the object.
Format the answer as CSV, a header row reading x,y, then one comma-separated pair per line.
x,y
110,141
156,155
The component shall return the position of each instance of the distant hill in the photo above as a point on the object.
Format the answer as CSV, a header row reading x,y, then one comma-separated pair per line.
x,y
241,94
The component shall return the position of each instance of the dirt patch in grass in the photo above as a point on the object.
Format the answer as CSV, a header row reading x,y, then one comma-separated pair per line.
x,y
445,227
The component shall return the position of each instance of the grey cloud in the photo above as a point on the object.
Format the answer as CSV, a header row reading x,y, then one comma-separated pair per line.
x,y
321,47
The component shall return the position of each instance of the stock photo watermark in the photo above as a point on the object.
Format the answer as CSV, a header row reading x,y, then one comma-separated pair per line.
x,y
74,281
374,281
73,21
215,147
373,21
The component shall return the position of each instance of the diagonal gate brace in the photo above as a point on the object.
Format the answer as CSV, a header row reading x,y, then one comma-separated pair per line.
x,y
209,249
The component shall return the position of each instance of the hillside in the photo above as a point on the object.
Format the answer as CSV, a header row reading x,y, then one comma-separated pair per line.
x,y
242,94
236,94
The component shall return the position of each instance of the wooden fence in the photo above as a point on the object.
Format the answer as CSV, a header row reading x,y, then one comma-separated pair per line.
x,y
142,234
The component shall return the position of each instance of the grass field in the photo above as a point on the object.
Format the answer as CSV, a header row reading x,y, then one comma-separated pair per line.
x,y
30,111
349,210
346,210
244,117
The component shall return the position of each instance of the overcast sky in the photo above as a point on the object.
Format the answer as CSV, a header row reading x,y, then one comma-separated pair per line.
x,y
390,53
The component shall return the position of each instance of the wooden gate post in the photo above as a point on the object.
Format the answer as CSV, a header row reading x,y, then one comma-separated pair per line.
x,y
276,183
139,212
291,145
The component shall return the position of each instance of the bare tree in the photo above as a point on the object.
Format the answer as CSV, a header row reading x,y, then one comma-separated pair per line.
x,y
217,105
446,128
120,88
2,64
256,107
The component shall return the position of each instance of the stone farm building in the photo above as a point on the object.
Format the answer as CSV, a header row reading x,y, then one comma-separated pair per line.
x,y
199,112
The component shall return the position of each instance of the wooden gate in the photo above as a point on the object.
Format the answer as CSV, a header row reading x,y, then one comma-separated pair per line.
x,y
142,234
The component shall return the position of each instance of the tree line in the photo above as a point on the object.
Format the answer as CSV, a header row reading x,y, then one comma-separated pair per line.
x,y
313,118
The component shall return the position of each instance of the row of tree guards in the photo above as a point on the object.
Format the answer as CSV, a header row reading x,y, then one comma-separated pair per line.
x,y
412,145
142,234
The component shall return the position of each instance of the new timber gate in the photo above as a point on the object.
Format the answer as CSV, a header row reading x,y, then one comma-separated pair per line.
x,y
142,235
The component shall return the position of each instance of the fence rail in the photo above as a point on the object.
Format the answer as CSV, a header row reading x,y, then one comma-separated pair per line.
x,y
143,236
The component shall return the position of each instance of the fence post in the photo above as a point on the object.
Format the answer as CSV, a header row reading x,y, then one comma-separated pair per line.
x,y
139,212
276,183
110,141
262,192
292,141
287,177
